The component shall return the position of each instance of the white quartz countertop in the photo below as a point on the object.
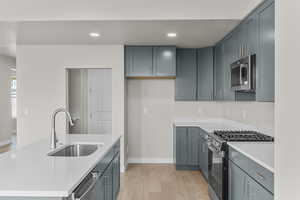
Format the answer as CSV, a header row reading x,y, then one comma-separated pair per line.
x,y
260,152
29,172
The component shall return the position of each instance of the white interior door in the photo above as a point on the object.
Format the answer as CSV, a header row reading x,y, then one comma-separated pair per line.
x,y
99,111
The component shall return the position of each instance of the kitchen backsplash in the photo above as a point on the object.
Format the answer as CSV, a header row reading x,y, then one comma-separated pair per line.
x,y
152,109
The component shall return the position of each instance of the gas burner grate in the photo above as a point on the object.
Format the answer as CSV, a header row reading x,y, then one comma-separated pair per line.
x,y
243,136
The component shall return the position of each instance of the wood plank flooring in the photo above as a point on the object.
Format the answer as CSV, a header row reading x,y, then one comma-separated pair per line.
x,y
162,182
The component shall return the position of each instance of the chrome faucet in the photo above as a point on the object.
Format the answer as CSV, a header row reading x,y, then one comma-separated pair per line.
x,y
53,131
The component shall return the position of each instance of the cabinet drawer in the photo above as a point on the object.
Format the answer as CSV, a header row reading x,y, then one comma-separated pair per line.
x,y
253,169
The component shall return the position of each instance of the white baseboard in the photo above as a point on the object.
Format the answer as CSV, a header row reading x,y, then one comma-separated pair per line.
x,y
5,142
150,160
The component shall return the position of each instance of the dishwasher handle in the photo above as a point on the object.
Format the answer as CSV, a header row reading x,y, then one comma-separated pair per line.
x,y
95,177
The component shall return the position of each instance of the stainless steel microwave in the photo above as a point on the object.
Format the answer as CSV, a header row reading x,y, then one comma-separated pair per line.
x,y
243,74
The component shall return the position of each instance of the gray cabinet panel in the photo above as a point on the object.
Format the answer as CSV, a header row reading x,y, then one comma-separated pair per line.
x,y
116,176
138,61
186,148
266,58
218,73
229,50
181,146
205,74
193,145
164,60
256,191
186,75
252,34
237,183
203,155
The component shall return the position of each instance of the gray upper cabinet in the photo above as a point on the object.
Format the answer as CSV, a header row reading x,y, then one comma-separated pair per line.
x,y
205,74
138,61
266,57
218,73
164,60
228,58
251,25
150,61
186,75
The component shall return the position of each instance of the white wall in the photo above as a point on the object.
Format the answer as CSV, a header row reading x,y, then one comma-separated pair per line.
x,y
152,109
287,98
42,85
5,102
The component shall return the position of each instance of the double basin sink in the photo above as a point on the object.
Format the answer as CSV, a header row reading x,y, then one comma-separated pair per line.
x,y
76,150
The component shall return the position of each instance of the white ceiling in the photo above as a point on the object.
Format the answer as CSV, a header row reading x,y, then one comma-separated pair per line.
x,y
41,10
191,33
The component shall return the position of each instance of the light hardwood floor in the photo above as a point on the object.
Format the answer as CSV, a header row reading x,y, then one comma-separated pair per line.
x,y
162,182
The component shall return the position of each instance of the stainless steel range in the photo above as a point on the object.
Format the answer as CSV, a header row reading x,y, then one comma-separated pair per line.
x,y
218,158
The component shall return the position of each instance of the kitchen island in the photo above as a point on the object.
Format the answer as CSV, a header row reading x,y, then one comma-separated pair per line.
x,y
30,173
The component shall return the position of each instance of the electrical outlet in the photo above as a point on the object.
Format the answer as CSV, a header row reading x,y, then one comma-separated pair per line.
x,y
200,110
244,114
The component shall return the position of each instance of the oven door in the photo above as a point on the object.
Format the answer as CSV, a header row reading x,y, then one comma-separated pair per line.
x,y
216,172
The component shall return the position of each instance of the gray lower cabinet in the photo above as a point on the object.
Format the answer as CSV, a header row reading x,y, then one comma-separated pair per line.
x,y
164,60
186,148
266,56
243,187
108,185
116,176
186,75
203,154
205,79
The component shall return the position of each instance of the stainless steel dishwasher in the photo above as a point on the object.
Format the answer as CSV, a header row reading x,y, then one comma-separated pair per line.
x,y
88,189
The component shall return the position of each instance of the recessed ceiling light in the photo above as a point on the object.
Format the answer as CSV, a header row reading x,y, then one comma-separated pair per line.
x,y
94,34
171,35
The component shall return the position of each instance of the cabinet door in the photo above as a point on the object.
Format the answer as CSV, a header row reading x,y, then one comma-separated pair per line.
x,y
181,146
116,176
256,191
266,57
101,188
229,44
164,58
205,159
108,176
252,34
205,74
218,73
237,183
138,61
186,75
193,145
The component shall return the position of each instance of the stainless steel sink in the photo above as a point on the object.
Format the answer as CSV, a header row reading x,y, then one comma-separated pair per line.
x,y
76,150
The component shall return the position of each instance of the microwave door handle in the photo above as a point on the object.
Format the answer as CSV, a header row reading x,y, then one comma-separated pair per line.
x,y
241,69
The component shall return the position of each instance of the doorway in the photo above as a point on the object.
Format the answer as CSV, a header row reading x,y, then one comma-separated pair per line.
x,y
90,100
